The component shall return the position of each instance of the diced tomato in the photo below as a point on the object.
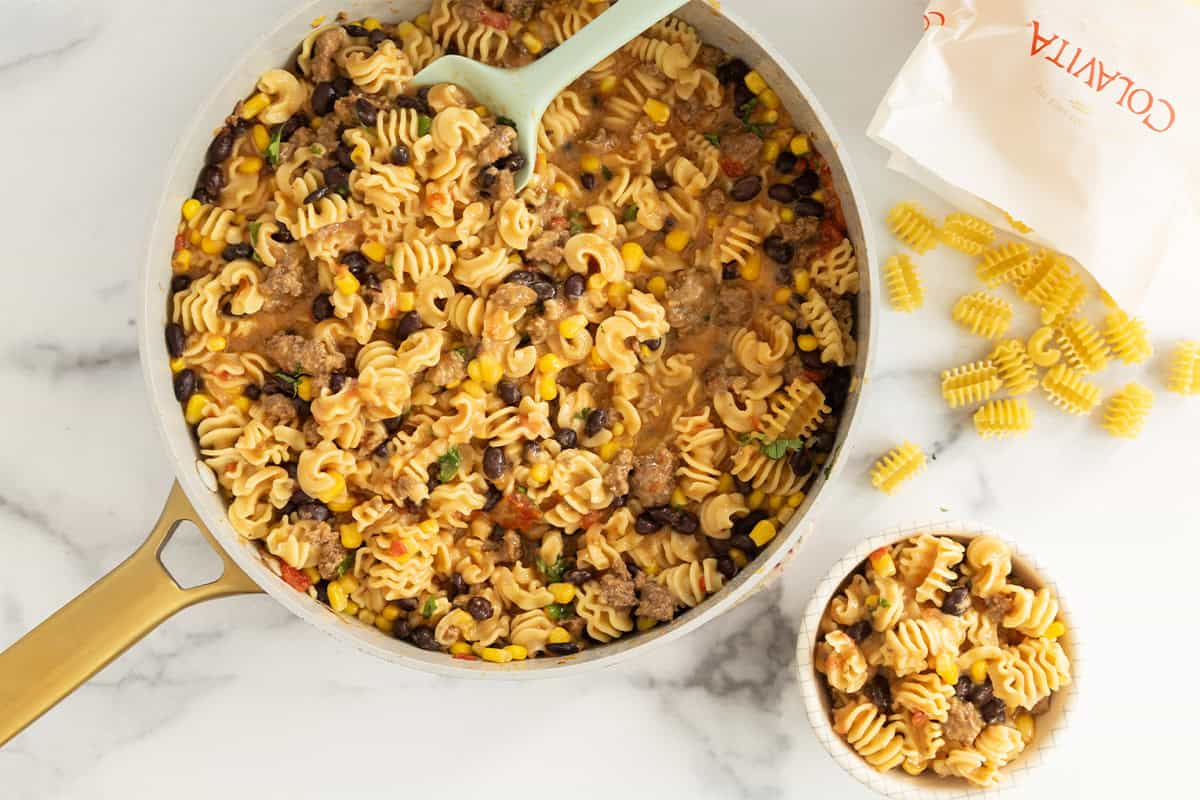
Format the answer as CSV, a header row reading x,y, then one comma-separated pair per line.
x,y
732,167
591,518
435,199
558,222
495,19
465,657
919,718
179,242
703,585
294,577
397,548
814,376
878,553
516,511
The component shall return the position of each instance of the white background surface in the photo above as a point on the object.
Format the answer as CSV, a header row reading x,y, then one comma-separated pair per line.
x,y
239,699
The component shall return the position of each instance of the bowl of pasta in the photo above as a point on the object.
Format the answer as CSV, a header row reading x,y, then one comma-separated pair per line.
x,y
483,432
937,661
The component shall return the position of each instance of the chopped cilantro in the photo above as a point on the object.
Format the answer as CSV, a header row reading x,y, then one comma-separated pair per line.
x,y
714,139
317,150
448,464
346,565
553,572
557,611
631,212
273,148
883,603
780,447
583,414
429,607
254,226
747,107
463,352
290,380
523,490
512,123
606,172
424,123
745,438
943,509
577,220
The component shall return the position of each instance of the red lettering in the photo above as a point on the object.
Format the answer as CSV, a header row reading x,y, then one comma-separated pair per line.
x,y
1074,59
1149,101
1170,110
1055,61
1128,88
1105,78
1090,66
1040,42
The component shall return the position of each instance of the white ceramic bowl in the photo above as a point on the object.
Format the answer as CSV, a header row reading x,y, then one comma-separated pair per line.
x,y
928,786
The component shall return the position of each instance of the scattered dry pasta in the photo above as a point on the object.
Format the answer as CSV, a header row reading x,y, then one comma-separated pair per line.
x,y
903,283
896,467
970,384
911,225
1070,391
1000,419
1126,411
1015,367
1184,375
915,676
967,234
983,314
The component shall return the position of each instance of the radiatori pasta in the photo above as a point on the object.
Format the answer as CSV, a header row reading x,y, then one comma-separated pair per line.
x,y
510,425
936,656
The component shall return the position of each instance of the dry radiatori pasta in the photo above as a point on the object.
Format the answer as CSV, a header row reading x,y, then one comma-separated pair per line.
x,y
498,424
938,657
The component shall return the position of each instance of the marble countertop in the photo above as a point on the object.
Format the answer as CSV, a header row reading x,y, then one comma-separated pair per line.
x,y
240,698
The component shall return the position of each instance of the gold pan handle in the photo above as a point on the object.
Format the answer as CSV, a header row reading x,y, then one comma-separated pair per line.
x,y
82,637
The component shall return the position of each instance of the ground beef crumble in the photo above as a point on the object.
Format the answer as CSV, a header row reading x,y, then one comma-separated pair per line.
x,y
293,353
653,477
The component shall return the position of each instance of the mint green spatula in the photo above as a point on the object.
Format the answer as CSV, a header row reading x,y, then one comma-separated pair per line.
x,y
523,94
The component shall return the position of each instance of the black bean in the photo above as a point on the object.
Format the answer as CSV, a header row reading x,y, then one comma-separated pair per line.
x,y
366,111
837,388
741,96
786,162
596,422
407,325
807,183
523,277
408,603
515,162
567,439
956,602
733,71
730,271
807,207
992,711
800,462
962,688
283,236
383,450
687,522
532,450
744,543
401,155
746,188
185,384
743,487
299,496
743,525
545,290
393,425
480,608
880,693
982,693
727,567
494,463
317,194
252,392
337,381
291,468
563,649
408,101
575,285
653,344
355,261
204,195
322,308
662,181
859,631
376,37
323,98
344,158
588,181
509,392
782,193
322,590
720,547
620,501
663,515
303,407
457,586
233,252
356,30
669,224
823,441
645,524
779,249
179,283
176,340
294,123
487,178
494,496
220,148
401,629
337,179
314,511
422,636
212,180
578,576
342,85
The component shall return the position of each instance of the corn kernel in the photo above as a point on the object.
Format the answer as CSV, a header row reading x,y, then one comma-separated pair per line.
x,y
652,569
304,389
429,527
795,500
405,301
196,405
608,451
338,599
251,165
678,240
590,163
1056,630
752,268
763,532
768,116
191,207
194,238
618,294
491,369
474,370
871,601
608,84
678,498
801,281
346,283
782,295
595,361
756,499
646,623
178,364
532,43
770,151
460,649
345,504
517,652
979,671
422,21
819,195
358,155
349,583
563,592
782,136
315,124
549,363
243,403
881,562
945,667
755,82
312,574
474,388
352,537
725,483
657,286
372,24
183,260
547,387
618,429
391,611
775,502
374,251
597,281
657,110
336,490
807,343
787,215
633,255
799,145
317,21
1025,724
539,473
561,189
558,635
571,327
211,246
769,99
712,222
351,609
739,557
255,105
383,624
